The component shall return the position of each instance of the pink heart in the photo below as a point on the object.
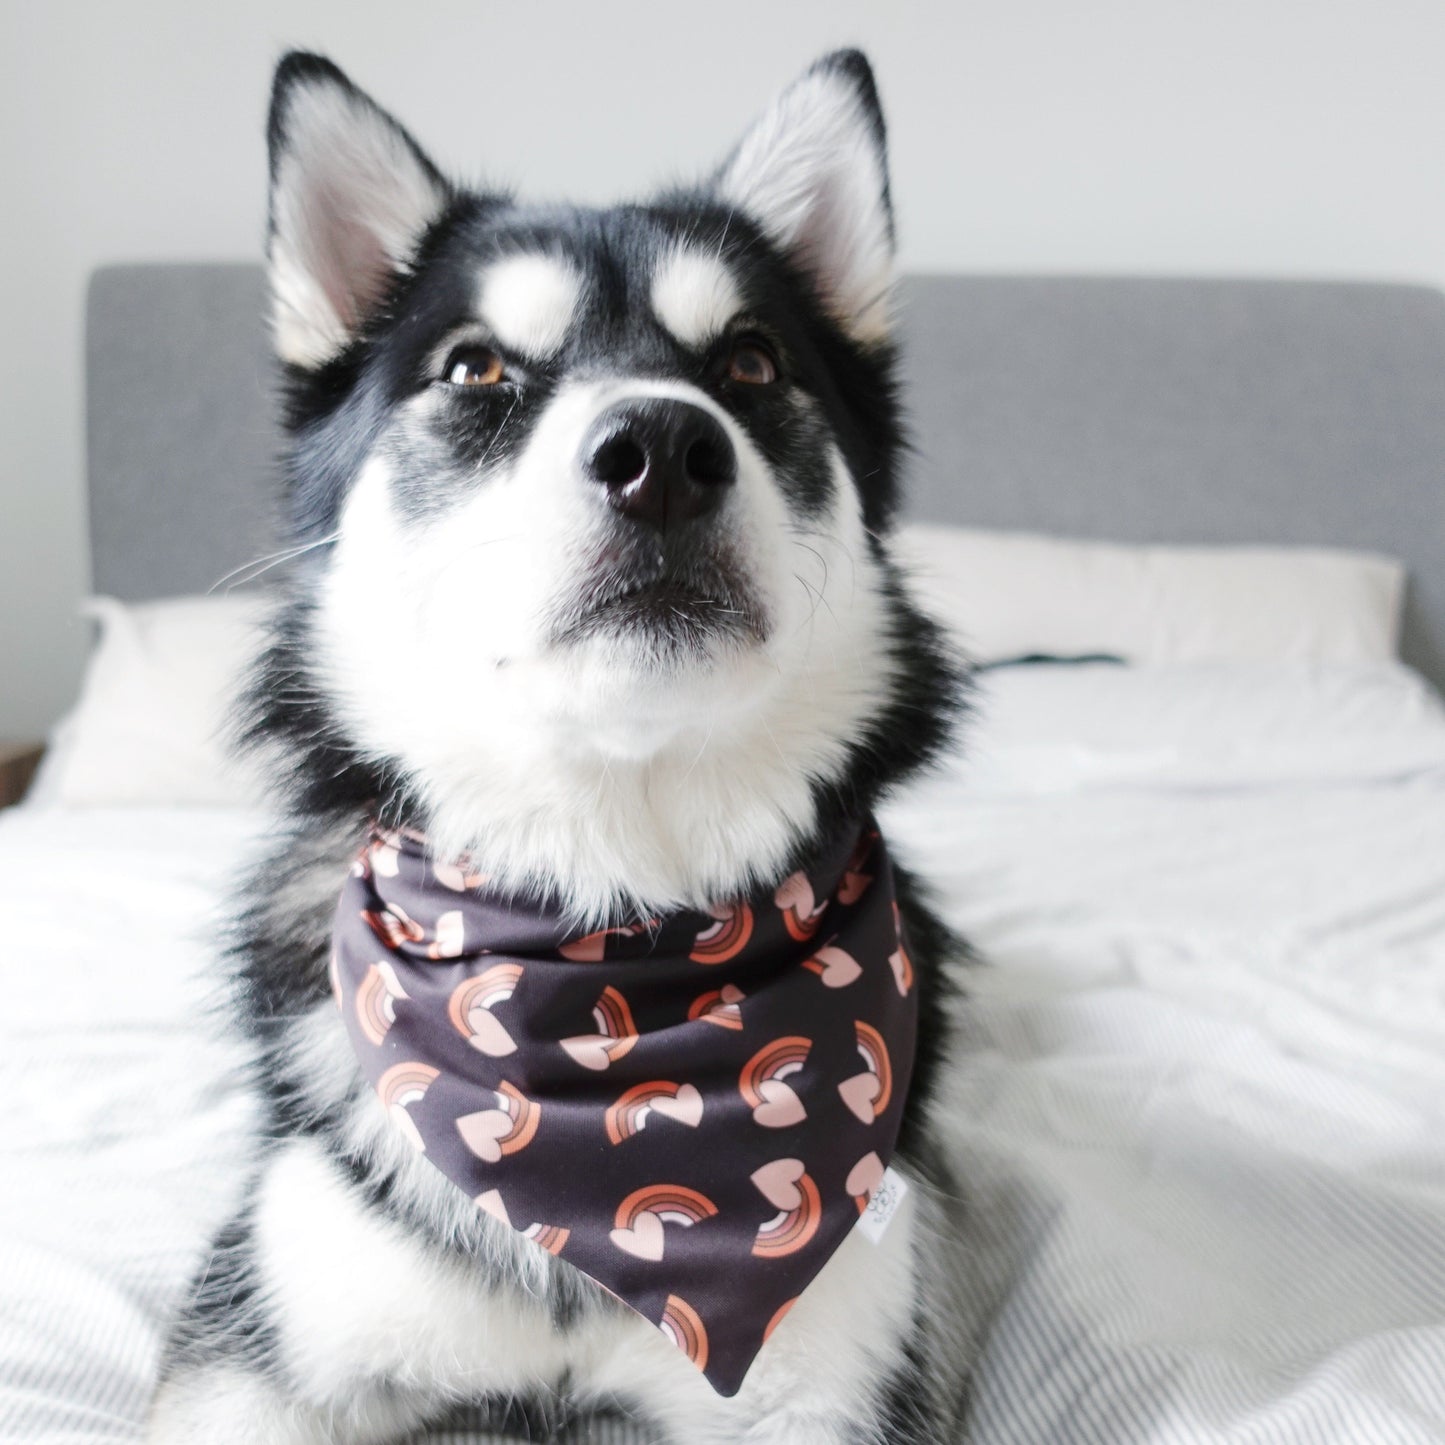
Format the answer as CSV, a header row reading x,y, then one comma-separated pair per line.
x,y
491,1203
778,1183
865,1176
644,1240
860,1093
588,949
589,1050
731,993
685,1106
481,1132
899,965
839,968
388,977
448,937
488,1035
453,876
781,1106
795,892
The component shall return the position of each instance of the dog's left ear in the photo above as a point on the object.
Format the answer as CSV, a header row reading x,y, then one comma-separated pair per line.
x,y
813,172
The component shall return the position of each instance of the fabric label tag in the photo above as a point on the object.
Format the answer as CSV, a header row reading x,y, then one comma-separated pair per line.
x,y
883,1205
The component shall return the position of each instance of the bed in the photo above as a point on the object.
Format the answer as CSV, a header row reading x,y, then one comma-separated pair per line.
x,y
1200,1119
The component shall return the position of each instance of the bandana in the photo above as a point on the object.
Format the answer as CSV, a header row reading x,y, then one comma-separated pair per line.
x,y
694,1110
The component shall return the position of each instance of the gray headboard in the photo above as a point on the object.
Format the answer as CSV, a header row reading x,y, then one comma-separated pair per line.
x,y
1140,410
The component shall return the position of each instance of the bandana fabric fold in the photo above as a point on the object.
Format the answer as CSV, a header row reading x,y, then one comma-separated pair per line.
x,y
694,1110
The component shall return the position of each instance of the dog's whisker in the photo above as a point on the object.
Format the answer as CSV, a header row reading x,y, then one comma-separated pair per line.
x,y
265,564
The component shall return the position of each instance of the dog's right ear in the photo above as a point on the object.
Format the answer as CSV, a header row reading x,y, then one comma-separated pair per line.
x,y
351,197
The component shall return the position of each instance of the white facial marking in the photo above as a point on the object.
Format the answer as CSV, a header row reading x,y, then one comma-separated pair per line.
x,y
593,764
529,301
694,295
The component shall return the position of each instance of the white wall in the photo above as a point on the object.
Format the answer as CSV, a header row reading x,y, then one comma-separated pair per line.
x,y
1267,136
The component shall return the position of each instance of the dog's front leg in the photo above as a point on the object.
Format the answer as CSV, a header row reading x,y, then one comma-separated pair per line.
x,y
320,1320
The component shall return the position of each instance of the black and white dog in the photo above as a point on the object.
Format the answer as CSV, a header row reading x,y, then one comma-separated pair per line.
x,y
597,590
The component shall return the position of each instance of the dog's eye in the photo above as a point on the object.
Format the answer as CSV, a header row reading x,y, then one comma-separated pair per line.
x,y
752,363
474,366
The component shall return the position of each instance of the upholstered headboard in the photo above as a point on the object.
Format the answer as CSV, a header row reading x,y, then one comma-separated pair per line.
x,y
1138,410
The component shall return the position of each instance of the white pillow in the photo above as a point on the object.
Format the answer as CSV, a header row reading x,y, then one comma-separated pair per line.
x,y
1015,594
158,694
1200,726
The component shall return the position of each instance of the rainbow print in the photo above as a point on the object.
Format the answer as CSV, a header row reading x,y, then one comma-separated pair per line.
x,y
719,1006
773,1063
492,1134
471,1004
376,997
684,1327
398,1088
630,1113
779,1315
641,1216
671,1203
790,1189
615,1036
899,960
726,937
551,1237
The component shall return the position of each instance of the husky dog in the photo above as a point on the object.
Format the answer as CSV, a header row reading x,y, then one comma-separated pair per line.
x,y
597,591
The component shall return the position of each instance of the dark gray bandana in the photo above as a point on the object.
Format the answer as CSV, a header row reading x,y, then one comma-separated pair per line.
x,y
693,1110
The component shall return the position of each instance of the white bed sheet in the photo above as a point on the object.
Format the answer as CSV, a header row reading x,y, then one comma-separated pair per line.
x,y
1200,1122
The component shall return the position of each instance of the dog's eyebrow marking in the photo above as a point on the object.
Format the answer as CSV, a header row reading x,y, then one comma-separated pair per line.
x,y
528,302
694,295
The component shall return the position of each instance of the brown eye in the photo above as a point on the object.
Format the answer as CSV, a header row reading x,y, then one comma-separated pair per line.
x,y
752,363
474,366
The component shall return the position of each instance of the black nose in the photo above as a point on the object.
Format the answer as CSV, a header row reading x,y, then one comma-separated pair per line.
x,y
663,461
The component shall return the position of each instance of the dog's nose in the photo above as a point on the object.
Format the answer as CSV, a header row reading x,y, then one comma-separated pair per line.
x,y
664,462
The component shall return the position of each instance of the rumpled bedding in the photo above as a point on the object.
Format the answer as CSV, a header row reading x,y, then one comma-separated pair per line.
x,y
1198,1114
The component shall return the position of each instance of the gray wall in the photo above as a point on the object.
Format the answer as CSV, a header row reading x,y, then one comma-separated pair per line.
x,y
1271,137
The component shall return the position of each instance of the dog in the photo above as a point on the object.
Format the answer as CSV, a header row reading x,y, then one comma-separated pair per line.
x,y
593,594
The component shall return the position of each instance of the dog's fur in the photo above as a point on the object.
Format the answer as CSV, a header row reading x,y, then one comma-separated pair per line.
x,y
476,643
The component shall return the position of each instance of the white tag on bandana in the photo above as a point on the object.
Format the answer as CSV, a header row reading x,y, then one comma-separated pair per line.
x,y
874,1220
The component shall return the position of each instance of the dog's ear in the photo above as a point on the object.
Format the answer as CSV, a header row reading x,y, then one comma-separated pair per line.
x,y
351,197
813,172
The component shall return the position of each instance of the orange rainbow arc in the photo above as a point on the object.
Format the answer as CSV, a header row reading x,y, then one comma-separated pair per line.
x,y
376,997
392,926
779,1315
725,938
525,1116
875,1055
629,1114
404,1084
551,1237
718,1006
899,960
776,1060
684,1327
614,1018
592,947
791,1229
489,988
616,1033
671,1203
